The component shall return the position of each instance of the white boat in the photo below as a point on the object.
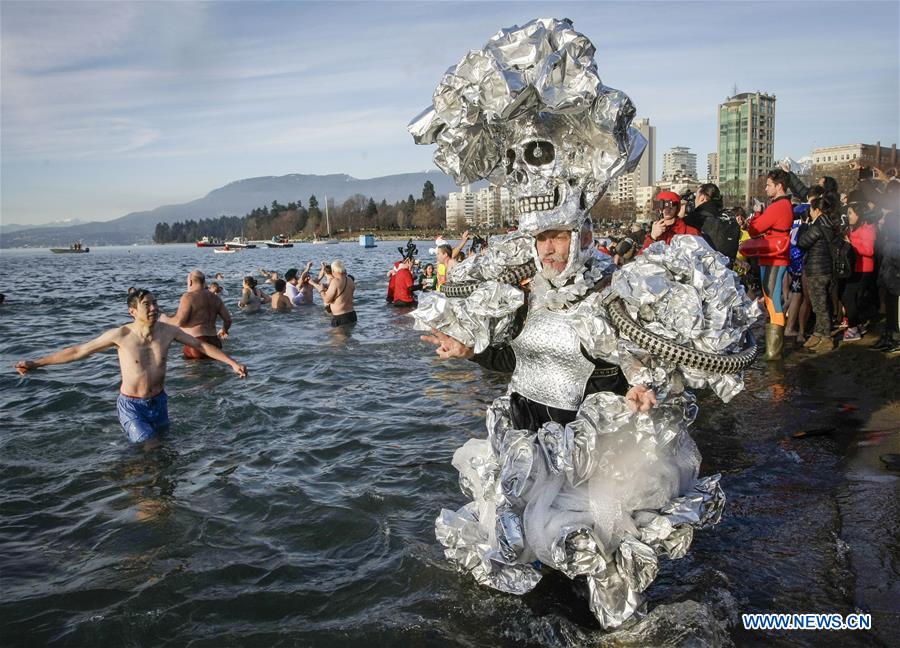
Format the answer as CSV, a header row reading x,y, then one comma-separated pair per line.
x,y
239,242
225,250
367,240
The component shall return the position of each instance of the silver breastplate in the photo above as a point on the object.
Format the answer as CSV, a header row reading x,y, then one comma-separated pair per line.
x,y
550,368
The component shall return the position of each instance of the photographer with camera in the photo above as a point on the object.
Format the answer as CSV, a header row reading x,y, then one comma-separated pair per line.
x,y
720,229
799,190
668,206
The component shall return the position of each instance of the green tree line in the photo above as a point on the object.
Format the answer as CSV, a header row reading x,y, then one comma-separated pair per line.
x,y
295,220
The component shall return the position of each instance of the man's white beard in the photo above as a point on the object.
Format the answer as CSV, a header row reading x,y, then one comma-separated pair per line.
x,y
549,272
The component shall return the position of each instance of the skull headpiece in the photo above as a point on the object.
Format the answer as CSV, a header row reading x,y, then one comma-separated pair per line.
x,y
528,111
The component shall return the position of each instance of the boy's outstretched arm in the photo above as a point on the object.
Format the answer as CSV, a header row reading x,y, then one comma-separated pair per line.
x,y
71,354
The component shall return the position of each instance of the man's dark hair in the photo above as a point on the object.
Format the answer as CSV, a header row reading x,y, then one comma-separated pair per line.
x,y
135,296
779,177
814,192
711,191
291,274
829,184
280,285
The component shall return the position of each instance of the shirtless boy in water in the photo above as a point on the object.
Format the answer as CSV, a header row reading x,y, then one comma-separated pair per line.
x,y
197,313
142,347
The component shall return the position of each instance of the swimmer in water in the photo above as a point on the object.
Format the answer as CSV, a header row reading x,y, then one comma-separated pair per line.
x,y
251,298
142,346
280,301
197,313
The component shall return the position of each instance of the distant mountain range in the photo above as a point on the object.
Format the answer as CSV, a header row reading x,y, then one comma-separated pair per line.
x,y
234,199
12,227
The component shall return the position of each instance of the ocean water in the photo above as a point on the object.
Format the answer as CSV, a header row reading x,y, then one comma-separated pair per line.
x,y
296,507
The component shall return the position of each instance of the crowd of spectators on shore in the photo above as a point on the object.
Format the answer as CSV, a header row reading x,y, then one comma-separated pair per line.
x,y
824,260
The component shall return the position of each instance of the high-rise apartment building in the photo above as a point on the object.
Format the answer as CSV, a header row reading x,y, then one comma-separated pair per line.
x,y
679,164
493,207
622,189
746,143
460,209
487,208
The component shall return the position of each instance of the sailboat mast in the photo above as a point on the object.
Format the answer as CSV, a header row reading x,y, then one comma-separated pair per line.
x,y
327,220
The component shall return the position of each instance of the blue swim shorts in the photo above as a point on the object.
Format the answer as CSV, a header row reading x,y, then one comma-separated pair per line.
x,y
143,418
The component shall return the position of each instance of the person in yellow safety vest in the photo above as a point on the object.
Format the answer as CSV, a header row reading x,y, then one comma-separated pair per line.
x,y
443,255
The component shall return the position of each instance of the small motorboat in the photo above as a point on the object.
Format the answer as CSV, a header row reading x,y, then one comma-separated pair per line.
x,y
208,241
75,248
240,243
367,240
279,242
225,250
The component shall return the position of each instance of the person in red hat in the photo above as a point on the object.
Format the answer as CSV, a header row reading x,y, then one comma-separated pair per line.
x,y
668,204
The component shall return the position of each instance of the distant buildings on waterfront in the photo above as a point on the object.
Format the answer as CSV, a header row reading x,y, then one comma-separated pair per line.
x,y
745,153
864,154
679,163
622,190
487,208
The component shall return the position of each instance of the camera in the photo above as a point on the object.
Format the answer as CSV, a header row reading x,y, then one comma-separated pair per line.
x,y
688,199
865,173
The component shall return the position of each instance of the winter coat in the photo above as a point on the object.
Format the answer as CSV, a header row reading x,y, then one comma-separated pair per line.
x,y
862,239
814,239
678,227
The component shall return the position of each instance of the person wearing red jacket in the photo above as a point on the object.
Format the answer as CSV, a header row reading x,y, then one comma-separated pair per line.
x,y
774,225
404,284
859,287
669,224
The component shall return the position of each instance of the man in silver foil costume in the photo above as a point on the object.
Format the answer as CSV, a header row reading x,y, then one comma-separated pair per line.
x,y
588,467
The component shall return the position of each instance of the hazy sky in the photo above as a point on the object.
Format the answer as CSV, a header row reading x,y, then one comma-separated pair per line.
x,y
112,107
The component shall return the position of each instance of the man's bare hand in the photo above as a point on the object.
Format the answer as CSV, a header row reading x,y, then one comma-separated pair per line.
x,y
657,229
240,370
640,398
448,347
785,166
223,334
24,366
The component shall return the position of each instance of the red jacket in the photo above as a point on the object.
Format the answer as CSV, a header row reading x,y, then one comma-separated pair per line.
x,y
678,227
403,284
863,241
774,223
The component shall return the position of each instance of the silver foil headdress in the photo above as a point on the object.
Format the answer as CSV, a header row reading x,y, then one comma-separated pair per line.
x,y
529,111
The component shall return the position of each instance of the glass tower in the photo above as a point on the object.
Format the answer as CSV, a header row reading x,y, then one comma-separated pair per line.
x,y
746,144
